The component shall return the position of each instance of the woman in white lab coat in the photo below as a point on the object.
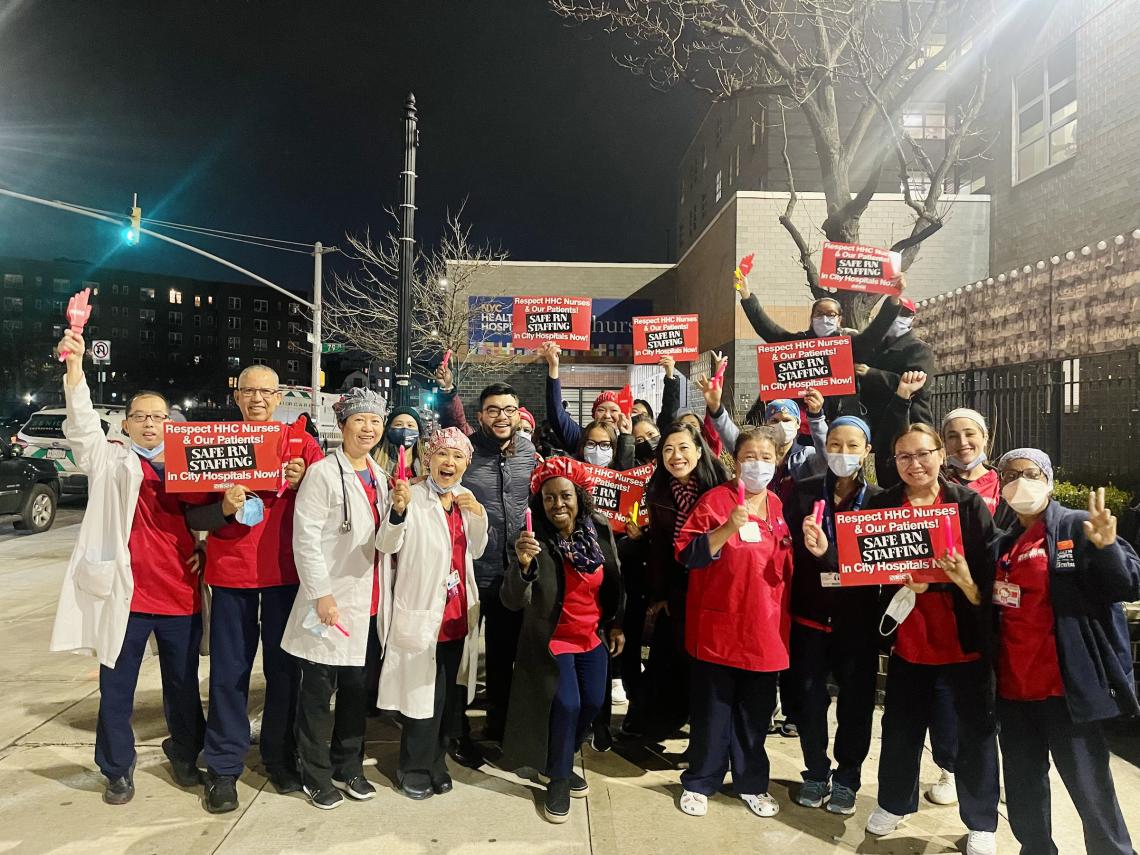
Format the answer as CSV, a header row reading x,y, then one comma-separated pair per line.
x,y
438,529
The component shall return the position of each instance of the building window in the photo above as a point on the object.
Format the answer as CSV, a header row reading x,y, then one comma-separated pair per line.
x,y
210,300
257,360
261,305
175,318
294,328
925,121
197,322
146,336
13,326
234,342
146,293
294,309
233,381
233,362
175,296
930,50
197,301
233,302
146,314
718,185
197,341
13,280
61,286
1045,112
233,323
210,321
175,339
1071,374
261,344
293,366
260,325
13,304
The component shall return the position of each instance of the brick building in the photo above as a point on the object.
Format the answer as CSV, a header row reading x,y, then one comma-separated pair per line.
x,y
187,336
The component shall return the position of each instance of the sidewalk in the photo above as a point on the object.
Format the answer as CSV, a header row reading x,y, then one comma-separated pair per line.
x,y
50,791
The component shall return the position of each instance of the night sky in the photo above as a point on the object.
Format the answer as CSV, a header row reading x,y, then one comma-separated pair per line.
x,y
285,119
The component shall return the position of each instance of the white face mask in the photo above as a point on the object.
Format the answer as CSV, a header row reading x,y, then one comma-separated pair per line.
x,y
599,456
900,327
1027,497
789,430
844,465
900,606
823,326
756,474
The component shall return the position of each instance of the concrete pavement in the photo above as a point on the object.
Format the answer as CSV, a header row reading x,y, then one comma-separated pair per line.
x,y
50,791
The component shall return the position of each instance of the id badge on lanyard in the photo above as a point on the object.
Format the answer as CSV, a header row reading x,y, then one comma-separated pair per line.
x,y
453,584
1006,593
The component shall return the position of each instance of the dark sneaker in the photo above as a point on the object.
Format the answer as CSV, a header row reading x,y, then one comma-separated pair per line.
x,y
119,791
466,753
221,794
789,729
415,785
356,787
842,800
441,784
557,807
185,774
812,794
285,781
579,789
325,799
601,739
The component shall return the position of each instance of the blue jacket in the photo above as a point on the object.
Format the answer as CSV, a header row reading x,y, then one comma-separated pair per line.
x,y
1087,586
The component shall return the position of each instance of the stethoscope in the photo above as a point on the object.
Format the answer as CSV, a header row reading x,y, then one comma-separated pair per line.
x,y
346,523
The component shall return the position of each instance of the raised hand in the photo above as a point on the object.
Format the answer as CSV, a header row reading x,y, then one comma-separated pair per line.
x,y
712,391
1100,527
526,548
814,401
909,383
669,364
551,354
899,282
401,496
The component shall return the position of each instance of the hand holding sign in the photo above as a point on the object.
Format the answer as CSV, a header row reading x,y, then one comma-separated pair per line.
x,y
78,311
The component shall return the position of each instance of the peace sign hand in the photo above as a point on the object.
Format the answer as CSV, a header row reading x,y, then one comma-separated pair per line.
x,y
1100,527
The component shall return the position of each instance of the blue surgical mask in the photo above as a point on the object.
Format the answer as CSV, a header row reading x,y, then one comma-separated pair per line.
x,y
959,463
148,453
402,436
901,326
251,512
823,326
441,491
756,474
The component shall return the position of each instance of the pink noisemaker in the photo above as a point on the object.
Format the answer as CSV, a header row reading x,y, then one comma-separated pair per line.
x,y
818,510
78,311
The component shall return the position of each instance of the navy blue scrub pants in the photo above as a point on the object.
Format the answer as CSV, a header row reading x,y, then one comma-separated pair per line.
x,y
944,726
178,637
854,664
730,710
1031,731
237,618
582,682
909,708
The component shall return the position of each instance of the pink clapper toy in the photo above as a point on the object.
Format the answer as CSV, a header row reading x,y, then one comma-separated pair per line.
x,y
402,465
446,359
78,311
528,519
819,506
948,537
718,378
741,496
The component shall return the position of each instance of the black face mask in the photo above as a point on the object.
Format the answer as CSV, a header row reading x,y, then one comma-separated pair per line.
x,y
644,449
402,436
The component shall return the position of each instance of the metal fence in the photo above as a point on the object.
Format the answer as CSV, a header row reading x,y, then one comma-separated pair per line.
x,y
1084,412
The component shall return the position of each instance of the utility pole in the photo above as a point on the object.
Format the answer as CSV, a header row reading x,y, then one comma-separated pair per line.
x,y
315,374
407,255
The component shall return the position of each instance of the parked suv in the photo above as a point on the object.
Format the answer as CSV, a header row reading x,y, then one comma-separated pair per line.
x,y
28,488
43,439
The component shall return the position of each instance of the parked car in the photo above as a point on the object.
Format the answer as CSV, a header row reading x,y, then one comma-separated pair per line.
x,y
29,488
42,439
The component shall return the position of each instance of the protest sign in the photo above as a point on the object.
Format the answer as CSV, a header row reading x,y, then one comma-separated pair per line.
x,y
202,457
854,267
616,492
665,335
562,320
789,368
883,547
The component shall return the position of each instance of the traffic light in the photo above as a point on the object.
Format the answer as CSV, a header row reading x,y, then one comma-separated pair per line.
x,y
133,231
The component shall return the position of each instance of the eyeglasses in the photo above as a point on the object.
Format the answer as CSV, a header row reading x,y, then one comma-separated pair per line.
x,y
605,445
1008,476
919,456
143,418
246,392
495,412
833,315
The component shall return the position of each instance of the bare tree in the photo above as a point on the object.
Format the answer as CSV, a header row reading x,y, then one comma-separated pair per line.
x,y
360,308
847,68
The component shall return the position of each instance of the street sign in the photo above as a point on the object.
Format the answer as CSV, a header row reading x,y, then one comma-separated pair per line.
x,y
332,348
101,352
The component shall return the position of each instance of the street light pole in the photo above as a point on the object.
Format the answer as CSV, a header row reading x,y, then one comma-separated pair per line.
x,y
407,255
315,375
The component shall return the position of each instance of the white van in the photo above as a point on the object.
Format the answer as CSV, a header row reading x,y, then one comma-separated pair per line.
x,y
42,438
298,399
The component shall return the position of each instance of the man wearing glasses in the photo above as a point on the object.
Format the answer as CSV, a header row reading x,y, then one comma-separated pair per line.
x,y
250,570
133,573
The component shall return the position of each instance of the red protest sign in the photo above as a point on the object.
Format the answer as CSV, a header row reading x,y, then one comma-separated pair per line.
x,y
882,547
616,492
202,457
665,335
854,267
563,320
789,368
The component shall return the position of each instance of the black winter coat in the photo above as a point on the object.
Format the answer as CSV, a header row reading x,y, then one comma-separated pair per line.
x,y
877,393
539,597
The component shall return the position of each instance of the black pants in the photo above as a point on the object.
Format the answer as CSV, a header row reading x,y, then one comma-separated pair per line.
x,y
853,662
663,705
424,741
373,658
944,726
1031,731
238,616
330,743
731,709
501,645
178,637
628,664
907,714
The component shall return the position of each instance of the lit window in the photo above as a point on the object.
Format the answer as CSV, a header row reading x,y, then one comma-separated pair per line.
x,y
1045,112
233,381
146,293
197,302
925,121
175,297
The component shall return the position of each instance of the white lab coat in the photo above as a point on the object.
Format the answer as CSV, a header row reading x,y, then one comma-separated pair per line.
x,y
95,601
332,561
418,596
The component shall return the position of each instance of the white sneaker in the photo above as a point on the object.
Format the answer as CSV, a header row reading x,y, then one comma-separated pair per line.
x,y
945,791
981,843
694,804
617,694
882,822
762,805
